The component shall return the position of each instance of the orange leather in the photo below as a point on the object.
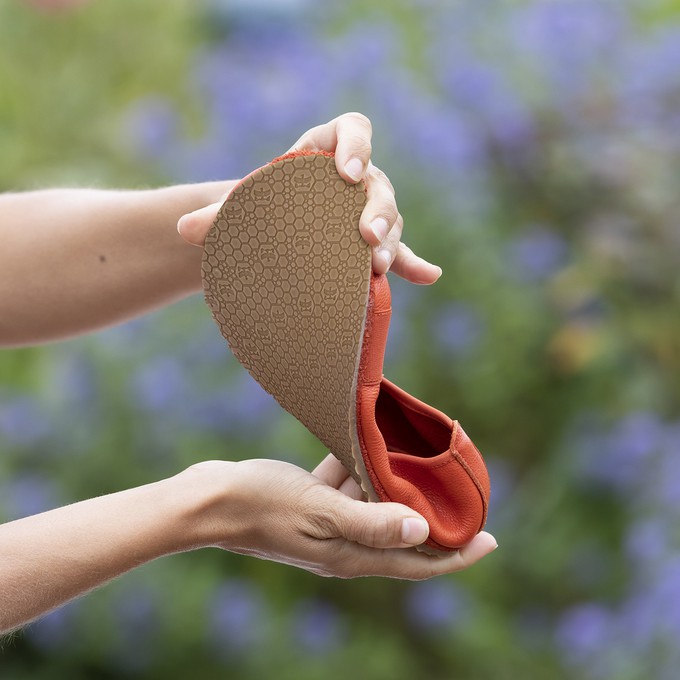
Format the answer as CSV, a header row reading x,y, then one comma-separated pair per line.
x,y
415,454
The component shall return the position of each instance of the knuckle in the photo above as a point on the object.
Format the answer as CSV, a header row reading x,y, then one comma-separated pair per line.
x,y
361,119
360,145
379,207
379,531
377,175
398,231
322,524
327,524
388,211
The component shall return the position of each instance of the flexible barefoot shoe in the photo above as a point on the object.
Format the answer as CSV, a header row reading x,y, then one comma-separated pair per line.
x,y
288,279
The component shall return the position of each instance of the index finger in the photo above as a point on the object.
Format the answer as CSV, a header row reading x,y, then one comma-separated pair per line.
x,y
349,137
412,565
353,151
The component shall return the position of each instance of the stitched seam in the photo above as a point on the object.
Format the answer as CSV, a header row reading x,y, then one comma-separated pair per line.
x,y
475,481
422,411
302,152
430,467
377,485
373,476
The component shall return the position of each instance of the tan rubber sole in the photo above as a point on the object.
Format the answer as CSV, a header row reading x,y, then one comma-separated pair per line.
x,y
286,275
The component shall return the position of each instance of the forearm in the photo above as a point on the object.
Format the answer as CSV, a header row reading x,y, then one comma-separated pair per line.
x,y
75,260
50,558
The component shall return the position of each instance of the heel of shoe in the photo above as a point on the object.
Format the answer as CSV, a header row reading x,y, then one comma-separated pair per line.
x,y
453,491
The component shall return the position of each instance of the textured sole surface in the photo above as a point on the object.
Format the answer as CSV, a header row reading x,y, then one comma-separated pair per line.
x,y
286,275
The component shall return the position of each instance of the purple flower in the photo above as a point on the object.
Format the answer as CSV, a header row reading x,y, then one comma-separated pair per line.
x,y
29,494
650,81
370,53
650,618
152,126
317,627
647,542
630,444
257,89
638,620
237,616
75,379
458,327
258,9
665,594
537,254
55,630
241,406
442,140
663,478
568,35
207,348
501,114
23,420
621,457
250,405
585,631
503,483
160,385
666,487
125,340
137,618
436,604
136,611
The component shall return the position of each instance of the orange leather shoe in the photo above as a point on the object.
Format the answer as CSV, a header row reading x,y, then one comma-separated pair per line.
x,y
288,279
410,452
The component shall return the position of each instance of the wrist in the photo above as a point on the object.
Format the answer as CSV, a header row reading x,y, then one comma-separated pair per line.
x,y
205,506
181,258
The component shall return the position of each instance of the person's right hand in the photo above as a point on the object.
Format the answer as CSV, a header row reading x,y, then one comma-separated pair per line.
x,y
348,137
277,511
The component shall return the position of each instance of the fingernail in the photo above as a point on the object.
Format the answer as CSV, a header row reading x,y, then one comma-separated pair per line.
x,y
491,543
180,222
354,168
380,228
439,270
385,256
414,531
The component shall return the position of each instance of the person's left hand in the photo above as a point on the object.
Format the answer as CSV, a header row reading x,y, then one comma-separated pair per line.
x,y
381,225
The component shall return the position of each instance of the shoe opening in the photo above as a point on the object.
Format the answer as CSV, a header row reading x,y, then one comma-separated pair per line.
x,y
406,430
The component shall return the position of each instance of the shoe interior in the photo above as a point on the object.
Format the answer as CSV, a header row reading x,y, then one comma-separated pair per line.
x,y
407,430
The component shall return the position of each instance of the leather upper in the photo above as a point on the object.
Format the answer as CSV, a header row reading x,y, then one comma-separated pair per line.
x,y
415,454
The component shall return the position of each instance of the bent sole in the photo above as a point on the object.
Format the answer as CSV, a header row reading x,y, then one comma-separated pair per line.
x,y
286,275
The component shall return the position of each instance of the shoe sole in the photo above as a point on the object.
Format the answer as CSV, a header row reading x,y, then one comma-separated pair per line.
x,y
286,275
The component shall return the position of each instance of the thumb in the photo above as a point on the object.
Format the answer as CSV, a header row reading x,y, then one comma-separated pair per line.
x,y
383,525
194,226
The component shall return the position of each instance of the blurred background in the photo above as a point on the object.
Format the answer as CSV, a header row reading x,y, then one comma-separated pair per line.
x,y
535,149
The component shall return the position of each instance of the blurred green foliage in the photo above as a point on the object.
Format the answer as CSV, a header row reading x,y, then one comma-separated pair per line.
x,y
66,76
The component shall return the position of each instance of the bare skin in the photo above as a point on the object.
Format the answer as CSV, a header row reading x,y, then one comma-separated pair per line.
x,y
77,260
264,508
74,261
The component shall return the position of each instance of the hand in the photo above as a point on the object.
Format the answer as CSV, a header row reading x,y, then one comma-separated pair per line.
x,y
317,522
381,225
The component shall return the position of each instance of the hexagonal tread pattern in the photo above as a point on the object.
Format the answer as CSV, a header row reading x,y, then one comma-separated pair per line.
x,y
286,275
